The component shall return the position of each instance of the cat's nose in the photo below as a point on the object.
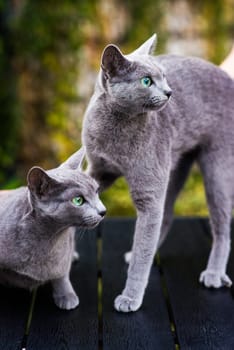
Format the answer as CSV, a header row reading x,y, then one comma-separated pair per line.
x,y
101,209
168,93
102,212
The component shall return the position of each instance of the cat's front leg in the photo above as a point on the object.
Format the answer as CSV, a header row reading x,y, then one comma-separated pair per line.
x,y
64,294
75,256
177,179
150,207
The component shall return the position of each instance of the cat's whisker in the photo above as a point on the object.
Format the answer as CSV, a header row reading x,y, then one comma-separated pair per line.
x,y
80,234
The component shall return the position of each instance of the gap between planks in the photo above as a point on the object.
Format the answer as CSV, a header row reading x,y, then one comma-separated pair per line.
x,y
164,287
99,288
29,319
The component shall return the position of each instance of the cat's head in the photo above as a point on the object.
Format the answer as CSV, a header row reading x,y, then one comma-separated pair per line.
x,y
66,194
135,82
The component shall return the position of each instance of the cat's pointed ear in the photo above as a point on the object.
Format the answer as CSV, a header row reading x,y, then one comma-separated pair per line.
x,y
148,47
75,161
39,182
113,61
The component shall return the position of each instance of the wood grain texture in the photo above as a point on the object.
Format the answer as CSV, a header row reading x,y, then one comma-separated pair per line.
x,y
14,308
204,317
55,329
148,328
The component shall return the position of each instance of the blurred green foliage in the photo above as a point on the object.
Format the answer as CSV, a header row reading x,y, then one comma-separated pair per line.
x,y
144,19
47,39
48,53
217,26
39,55
8,97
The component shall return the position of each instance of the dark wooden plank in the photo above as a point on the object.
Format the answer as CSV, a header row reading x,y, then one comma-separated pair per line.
x,y
204,317
14,309
146,329
55,329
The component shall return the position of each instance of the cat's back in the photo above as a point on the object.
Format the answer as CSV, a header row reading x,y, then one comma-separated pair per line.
x,y
193,74
202,95
12,203
190,66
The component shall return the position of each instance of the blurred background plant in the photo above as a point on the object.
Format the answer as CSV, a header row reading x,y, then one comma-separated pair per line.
x,y
49,58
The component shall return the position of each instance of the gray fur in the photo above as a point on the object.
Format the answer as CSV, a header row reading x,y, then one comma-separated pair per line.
x,y
38,225
152,140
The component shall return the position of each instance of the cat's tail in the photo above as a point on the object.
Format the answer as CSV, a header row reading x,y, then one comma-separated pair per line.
x,y
228,64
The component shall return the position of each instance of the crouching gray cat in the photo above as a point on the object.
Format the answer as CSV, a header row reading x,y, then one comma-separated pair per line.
x,y
38,225
133,127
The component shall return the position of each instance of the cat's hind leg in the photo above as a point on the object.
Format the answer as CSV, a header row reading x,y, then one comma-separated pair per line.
x,y
178,177
64,294
218,184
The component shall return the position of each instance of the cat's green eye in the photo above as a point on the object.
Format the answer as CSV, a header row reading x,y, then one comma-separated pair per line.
x,y
78,201
146,81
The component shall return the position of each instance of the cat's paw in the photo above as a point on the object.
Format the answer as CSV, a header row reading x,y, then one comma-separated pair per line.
x,y
214,279
124,303
67,302
75,256
127,257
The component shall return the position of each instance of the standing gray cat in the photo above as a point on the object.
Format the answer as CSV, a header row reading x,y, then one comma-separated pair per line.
x,y
38,226
133,128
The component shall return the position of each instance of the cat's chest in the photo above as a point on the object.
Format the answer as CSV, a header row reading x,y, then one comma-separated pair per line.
x,y
44,260
117,141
